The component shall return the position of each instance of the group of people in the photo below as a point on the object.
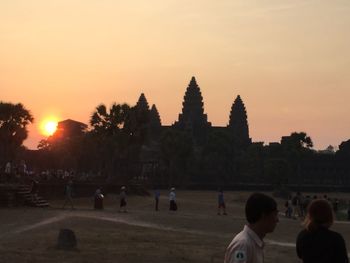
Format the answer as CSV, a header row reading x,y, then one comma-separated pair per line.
x,y
315,243
99,197
296,206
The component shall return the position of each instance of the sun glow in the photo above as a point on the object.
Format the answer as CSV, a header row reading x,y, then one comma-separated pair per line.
x,y
48,127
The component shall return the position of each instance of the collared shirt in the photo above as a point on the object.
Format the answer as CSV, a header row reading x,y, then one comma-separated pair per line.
x,y
246,247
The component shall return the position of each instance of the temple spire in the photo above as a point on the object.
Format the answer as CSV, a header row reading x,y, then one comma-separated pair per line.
x,y
154,117
238,123
142,103
192,117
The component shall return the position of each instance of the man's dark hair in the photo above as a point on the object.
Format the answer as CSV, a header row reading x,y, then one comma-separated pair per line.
x,y
257,205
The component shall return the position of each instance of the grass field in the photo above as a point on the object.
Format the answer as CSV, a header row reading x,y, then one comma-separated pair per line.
x,y
195,233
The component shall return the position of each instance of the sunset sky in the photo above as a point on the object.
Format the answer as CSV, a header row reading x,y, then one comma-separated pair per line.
x,y
288,59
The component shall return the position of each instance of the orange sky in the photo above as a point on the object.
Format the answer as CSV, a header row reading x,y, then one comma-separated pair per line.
x,y
288,59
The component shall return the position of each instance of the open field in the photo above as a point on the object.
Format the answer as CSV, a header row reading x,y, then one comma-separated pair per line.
x,y
193,234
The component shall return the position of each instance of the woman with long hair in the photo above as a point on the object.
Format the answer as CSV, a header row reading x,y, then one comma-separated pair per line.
x,y
317,243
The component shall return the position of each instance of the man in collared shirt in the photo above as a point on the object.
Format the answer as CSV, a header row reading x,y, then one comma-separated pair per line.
x,y
262,216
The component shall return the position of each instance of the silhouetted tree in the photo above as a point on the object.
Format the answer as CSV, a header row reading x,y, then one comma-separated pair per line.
x,y
110,122
14,119
296,147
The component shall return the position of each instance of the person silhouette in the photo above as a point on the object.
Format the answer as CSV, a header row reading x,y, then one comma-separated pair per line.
x,y
262,216
317,243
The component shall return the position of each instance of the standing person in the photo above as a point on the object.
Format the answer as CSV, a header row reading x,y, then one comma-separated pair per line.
x,y
296,206
156,197
172,200
122,198
34,190
289,209
262,216
68,193
221,202
335,205
98,199
8,171
316,243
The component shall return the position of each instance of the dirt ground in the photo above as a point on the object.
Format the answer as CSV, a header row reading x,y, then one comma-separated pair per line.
x,y
195,233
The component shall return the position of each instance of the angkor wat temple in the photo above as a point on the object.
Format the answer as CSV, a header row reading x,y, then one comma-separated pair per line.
x,y
243,165
192,151
195,122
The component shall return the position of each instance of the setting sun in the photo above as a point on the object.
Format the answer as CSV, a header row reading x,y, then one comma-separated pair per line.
x,y
48,127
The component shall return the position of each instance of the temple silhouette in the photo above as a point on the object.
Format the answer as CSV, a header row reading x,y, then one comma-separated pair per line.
x,y
191,151
193,124
194,121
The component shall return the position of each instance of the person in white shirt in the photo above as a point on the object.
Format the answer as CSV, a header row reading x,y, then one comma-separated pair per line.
x,y
172,200
262,216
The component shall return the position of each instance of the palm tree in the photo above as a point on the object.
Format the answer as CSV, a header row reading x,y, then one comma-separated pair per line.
x,y
14,119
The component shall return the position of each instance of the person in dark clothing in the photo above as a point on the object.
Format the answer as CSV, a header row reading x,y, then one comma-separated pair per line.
x,y
122,197
156,197
317,243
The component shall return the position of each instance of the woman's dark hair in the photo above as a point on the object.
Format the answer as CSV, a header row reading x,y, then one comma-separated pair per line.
x,y
257,205
319,214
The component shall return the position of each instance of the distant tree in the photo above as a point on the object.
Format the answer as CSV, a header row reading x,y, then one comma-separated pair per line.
x,y
297,141
297,147
113,139
14,119
109,122
344,149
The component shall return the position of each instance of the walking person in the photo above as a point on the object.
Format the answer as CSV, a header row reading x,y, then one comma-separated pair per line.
x,y
122,197
262,216
317,243
221,203
172,200
156,197
68,193
289,209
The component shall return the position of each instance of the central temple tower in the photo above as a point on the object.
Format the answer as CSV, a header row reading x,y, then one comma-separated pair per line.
x,y
192,119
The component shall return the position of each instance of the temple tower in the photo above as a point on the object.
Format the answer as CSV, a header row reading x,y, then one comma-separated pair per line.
x,y
192,118
142,104
155,122
238,123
